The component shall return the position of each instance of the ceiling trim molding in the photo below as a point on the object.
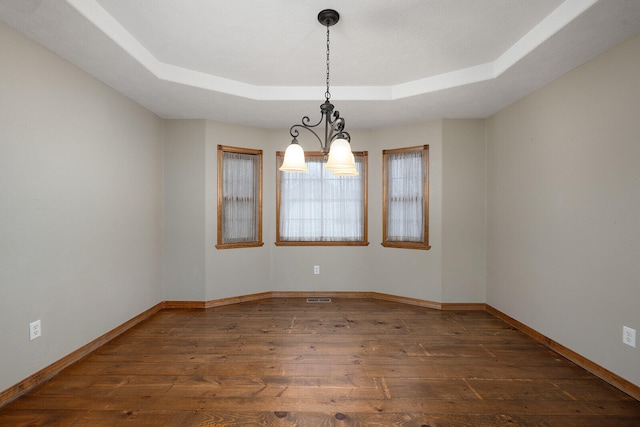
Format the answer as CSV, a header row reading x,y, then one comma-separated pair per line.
x,y
552,24
545,29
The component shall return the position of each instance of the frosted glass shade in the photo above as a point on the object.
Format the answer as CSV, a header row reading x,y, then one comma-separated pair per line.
x,y
294,159
348,171
345,172
340,156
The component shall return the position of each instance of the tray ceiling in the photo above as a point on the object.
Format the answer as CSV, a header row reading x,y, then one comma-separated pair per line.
x,y
262,63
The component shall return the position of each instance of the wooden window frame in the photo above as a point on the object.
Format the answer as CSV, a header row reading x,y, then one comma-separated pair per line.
x,y
317,154
424,245
221,150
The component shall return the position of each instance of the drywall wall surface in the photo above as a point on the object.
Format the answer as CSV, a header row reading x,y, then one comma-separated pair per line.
x,y
463,210
184,210
239,271
563,209
80,203
407,272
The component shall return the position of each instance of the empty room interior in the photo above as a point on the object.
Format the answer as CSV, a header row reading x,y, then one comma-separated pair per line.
x,y
121,124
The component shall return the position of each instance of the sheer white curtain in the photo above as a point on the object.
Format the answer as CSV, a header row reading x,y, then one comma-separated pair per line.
x,y
405,196
318,206
240,197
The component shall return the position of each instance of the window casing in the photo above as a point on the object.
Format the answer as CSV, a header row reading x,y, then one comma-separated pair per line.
x,y
239,197
405,217
320,209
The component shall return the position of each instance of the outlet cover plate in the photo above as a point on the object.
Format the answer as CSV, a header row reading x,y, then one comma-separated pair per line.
x,y
35,330
629,336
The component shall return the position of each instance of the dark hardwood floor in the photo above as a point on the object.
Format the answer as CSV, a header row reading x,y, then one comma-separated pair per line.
x,y
352,362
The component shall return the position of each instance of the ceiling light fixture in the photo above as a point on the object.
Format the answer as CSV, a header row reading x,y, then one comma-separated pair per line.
x,y
336,143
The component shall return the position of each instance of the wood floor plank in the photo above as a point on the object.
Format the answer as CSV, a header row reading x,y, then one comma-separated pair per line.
x,y
352,362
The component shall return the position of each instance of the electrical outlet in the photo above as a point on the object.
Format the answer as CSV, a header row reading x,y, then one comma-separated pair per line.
x,y
316,269
35,330
629,336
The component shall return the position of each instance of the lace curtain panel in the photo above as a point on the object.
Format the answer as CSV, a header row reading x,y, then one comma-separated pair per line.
x,y
240,197
405,196
320,207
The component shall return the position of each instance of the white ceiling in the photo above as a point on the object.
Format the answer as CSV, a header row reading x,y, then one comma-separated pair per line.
x,y
262,63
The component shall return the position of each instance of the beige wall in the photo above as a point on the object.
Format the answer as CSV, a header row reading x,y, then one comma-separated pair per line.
x,y
80,207
183,264
563,209
463,216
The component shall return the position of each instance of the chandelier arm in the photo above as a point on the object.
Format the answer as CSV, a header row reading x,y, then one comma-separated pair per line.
x,y
338,122
305,123
341,135
295,133
306,120
337,128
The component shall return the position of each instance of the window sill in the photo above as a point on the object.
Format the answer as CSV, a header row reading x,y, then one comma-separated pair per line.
x,y
239,245
406,245
314,243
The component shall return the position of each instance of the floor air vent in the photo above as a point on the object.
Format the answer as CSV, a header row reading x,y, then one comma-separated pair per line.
x,y
317,300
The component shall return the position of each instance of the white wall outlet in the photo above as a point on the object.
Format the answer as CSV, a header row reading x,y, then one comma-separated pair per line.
x,y
35,330
316,269
629,336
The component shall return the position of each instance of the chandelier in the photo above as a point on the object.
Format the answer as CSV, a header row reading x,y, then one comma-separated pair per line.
x,y
336,143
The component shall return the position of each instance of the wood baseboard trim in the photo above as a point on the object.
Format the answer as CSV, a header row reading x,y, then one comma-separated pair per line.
x,y
344,294
464,306
406,300
328,294
319,294
217,302
237,300
48,372
185,304
597,370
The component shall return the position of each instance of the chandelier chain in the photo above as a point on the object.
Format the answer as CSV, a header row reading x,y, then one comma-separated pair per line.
x,y
327,94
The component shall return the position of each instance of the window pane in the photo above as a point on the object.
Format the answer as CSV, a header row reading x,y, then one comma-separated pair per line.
x,y
239,197
405,197
320,207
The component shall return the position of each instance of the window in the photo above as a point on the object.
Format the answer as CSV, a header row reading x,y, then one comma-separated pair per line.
x,y
319,208
405,206
239,197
